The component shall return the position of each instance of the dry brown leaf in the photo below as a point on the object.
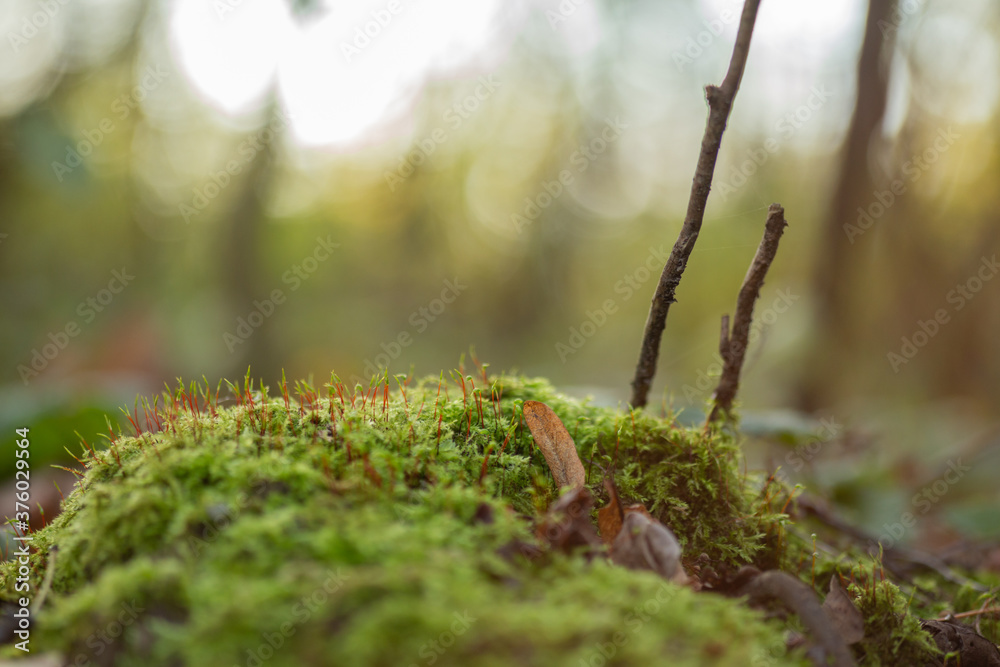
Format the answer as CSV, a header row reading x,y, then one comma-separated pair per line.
x,y
641,509
567,526
609,517
972,649
556,444
646,544
846,618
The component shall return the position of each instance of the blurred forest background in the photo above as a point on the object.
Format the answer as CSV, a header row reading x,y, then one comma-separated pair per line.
x,y
193,187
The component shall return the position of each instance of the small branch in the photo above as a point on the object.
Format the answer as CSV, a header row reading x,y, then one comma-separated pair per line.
x,y
967,614
733,346
801,599
720,101
899,560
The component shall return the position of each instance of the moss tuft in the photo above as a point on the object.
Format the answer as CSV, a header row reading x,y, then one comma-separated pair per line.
x,y
364,526
893,636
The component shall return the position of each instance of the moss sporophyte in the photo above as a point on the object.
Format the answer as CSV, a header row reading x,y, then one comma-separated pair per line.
x,y
341,525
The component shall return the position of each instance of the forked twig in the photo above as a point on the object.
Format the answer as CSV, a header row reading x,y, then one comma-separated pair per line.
x,y
720,101
733,346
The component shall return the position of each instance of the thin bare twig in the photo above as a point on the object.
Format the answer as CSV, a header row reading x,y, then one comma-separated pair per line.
x,y
899,560
720,101
801,599
733,346
967,614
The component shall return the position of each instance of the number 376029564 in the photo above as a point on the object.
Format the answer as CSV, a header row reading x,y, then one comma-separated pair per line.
x,y
22,477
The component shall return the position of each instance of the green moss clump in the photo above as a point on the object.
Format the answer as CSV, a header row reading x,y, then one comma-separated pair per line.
x,y
366,527
893,636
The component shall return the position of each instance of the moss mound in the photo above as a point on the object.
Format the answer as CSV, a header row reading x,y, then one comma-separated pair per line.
x,y
376,527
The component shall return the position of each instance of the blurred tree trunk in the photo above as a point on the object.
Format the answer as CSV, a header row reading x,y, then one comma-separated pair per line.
x,y
242,262
837,264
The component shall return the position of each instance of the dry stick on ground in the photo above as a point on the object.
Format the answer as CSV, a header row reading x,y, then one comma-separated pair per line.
x,y
899,560
733,346
720,101
801,599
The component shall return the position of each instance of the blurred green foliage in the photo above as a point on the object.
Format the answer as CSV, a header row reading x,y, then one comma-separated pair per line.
x,y
172,143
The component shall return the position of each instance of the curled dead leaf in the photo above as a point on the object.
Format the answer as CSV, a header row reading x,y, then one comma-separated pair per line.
x,y
846,618
567,524
610,517
961,641
556,444
644,543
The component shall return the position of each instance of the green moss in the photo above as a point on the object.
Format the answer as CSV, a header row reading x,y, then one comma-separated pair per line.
x,y
347,529
893,635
